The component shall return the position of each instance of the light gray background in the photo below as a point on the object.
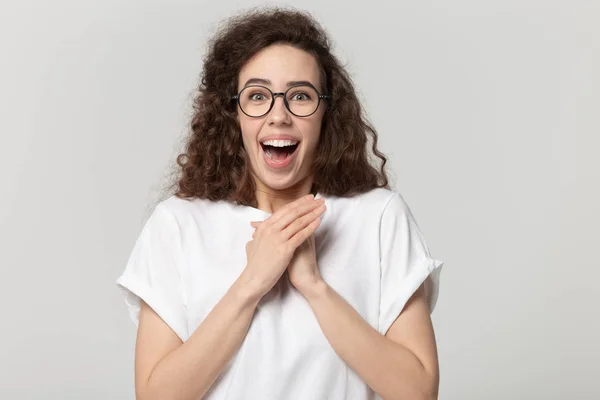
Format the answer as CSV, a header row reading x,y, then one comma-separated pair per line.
x,y
489,112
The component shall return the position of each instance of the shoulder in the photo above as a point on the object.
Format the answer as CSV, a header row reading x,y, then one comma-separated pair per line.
x,y
374,201
177,206
195,212
380,197
365,209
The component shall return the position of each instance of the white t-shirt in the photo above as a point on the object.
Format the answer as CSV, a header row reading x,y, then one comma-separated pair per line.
x,y
369,249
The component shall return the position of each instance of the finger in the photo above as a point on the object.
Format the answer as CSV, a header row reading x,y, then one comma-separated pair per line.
x,y
255,224
303,222
299,238
290,206
294,214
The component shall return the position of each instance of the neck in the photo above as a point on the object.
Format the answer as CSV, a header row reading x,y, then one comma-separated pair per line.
x,y
270,200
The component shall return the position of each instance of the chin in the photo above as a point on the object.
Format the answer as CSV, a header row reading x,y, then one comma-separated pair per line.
x,y
281,181
278,184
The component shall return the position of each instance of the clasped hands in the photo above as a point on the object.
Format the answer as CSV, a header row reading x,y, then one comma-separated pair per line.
x,y
285,241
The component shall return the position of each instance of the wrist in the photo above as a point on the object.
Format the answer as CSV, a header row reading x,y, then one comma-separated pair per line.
x,y
247,289
314,289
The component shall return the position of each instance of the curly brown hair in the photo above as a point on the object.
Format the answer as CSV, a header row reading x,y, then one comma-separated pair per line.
x,y
214,164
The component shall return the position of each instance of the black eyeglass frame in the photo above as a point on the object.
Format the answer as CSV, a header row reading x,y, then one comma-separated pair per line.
x,y
284,95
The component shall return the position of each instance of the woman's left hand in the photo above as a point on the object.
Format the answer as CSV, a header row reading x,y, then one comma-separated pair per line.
x,y
303,271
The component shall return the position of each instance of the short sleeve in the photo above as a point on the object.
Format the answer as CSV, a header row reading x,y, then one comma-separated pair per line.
x,y
406,262
153,272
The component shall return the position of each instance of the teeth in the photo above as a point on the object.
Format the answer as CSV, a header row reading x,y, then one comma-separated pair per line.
x,y
280,143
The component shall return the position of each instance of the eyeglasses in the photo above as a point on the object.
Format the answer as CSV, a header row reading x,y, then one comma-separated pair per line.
x,y
301,100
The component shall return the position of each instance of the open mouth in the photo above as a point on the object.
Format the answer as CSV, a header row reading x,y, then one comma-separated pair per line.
x,y
279,150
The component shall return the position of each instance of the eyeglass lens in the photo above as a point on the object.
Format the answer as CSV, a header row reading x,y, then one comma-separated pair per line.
x,y
256,100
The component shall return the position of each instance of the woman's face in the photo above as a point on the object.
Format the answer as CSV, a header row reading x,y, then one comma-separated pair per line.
x,y
276,167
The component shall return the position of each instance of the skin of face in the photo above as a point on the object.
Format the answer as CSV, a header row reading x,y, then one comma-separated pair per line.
x,y
281,64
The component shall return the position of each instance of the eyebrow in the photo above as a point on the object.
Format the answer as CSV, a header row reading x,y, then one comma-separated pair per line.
x,y
268,82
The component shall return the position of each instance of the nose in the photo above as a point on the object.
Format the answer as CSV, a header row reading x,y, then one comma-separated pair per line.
x,y
279,113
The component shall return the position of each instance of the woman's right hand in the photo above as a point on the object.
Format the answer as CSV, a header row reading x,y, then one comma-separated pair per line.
x,y
275,240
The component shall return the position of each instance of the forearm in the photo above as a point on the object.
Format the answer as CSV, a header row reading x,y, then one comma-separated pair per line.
x,y
389,368
190,370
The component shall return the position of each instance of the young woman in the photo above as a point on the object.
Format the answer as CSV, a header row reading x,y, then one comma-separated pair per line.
x,y
283,266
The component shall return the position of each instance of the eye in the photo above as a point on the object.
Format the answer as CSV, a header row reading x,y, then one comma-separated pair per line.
x,y
257,96
300,96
